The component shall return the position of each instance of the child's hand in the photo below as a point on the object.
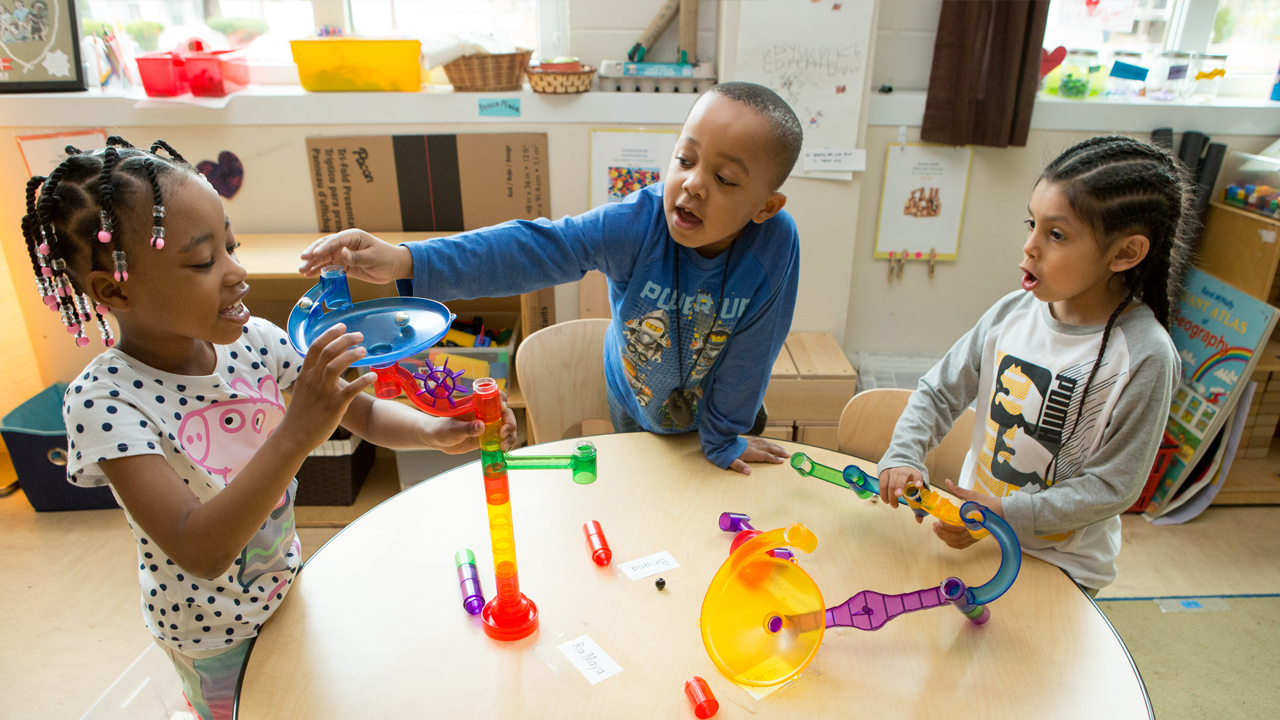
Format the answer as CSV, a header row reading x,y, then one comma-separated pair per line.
x,y
958,536
320,395
457,435
364,256
894,481
994,504
759,450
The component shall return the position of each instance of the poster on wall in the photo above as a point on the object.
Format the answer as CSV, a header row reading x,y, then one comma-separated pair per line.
x,y
407,183
43,152
922,201
814,55
39,46
623,161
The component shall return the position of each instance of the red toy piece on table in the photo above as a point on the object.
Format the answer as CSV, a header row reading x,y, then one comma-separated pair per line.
x,y
700,696
600,552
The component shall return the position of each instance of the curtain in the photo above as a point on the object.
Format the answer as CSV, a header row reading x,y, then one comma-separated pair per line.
x,y
986,70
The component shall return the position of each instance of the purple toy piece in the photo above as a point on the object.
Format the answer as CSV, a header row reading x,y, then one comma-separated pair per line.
x,y
870,610
441,383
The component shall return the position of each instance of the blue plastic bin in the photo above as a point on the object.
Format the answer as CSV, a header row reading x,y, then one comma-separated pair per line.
x,y
37,442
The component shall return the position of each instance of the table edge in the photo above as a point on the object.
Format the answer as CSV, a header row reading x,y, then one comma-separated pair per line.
x,y
235,704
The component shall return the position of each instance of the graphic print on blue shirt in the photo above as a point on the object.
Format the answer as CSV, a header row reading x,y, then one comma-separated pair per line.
x,y
651,331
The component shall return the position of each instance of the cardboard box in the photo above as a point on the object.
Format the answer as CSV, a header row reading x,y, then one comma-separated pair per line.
x,y
407,183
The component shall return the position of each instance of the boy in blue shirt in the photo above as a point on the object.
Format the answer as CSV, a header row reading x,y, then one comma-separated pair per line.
x,y
702,272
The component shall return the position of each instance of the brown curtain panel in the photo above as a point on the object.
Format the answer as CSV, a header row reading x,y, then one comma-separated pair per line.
x,y
986,70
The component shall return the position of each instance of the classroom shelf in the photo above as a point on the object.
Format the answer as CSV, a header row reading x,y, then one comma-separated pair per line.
x,y
1222,116
291,105
1253,481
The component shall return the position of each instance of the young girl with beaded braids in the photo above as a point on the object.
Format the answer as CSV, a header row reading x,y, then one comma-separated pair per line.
x,y
189,400
1072,374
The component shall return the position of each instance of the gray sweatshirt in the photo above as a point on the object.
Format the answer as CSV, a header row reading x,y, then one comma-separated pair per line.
x,y
1063,484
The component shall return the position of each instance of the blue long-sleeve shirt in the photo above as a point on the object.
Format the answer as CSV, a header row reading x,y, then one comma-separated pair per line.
x,y
649,347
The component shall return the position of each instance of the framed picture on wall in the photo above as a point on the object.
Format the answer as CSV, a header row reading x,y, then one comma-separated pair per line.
x,y
39,46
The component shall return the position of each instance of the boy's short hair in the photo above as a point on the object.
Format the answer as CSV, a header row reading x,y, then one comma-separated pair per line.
x,y
785,131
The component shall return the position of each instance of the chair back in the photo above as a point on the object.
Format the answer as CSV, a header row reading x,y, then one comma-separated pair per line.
x,y
561,373
866,428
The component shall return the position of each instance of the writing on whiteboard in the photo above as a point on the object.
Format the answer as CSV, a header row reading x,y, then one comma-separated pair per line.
x,y
823,60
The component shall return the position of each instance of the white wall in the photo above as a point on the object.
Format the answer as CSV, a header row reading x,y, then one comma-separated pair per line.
x,y
904,43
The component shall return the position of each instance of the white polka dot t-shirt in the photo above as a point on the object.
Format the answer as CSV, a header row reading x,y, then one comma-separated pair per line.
x,y
207,428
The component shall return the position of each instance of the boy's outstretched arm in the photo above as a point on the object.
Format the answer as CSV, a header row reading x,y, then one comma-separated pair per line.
x,y
507,259
735,387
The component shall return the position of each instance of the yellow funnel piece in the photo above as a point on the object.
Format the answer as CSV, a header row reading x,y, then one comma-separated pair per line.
x,y
763,617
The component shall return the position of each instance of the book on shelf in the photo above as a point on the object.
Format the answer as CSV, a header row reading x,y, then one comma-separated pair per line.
x,y
1219,333
1197,494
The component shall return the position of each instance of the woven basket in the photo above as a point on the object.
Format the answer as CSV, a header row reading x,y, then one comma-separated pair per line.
x,y
488,73
558,82
334,473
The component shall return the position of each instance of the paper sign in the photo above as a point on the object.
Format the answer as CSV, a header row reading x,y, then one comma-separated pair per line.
x,y
838,159
649,565
499,107
587,657
42,153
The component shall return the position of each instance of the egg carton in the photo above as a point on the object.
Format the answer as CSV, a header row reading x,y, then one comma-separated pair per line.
x,y
622,76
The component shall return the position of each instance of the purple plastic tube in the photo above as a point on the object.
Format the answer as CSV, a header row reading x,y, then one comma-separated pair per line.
x,y
469,582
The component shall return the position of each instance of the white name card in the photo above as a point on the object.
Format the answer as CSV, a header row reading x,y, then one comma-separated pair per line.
x,y
587,657
649,565
837,159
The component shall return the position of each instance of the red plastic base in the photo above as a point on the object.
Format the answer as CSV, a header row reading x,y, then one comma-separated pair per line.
x,y
508,626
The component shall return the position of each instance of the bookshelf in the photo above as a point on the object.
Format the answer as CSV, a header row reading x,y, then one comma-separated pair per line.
x,y
1241,249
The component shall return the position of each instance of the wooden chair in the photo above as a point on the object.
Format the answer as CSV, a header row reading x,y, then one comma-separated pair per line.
x,y
866,427
561,371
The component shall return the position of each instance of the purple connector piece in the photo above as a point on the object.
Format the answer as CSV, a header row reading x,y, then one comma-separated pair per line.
x,y
735,522
870,610
469,582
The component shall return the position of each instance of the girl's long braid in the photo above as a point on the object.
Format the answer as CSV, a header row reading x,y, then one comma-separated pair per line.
x,y
36,247
160,144
1123,187
47,206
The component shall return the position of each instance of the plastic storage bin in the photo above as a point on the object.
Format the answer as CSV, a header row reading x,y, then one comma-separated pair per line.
x,y
164,74
1250,182
1127,76
1206,75
218,73
37,442
337,64
1078,73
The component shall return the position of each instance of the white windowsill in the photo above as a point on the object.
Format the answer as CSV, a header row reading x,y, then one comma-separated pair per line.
x,y
1224,115
291,105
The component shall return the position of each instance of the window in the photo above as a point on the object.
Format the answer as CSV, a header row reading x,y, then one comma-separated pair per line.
x,y
164,24
1248,33
1109,25
504,23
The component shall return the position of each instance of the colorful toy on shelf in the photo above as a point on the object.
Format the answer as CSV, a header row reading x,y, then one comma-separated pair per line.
x,y
763,617
600,552
922,501
1259,198
395,328
469,582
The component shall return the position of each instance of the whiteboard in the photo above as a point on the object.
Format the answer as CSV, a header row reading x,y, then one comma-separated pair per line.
x,y
814,55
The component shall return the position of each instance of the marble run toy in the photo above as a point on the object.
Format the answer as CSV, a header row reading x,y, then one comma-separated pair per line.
x,y
395,328
763,617
922,501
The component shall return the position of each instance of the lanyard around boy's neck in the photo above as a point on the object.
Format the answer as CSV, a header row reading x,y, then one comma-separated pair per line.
x,y
678,401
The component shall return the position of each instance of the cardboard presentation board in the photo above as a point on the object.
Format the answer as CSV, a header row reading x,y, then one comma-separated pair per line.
x,y
408,183
439,183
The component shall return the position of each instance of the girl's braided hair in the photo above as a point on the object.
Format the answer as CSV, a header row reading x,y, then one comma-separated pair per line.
x,y
72,216
1121,187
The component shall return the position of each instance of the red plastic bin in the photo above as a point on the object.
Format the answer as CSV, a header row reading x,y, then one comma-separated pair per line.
x,y
1168,448
164,74
217,73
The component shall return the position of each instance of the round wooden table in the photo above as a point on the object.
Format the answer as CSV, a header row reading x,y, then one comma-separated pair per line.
x,y
374,625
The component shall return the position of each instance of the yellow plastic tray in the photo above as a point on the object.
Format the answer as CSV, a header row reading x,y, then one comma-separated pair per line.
x,y
358,64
